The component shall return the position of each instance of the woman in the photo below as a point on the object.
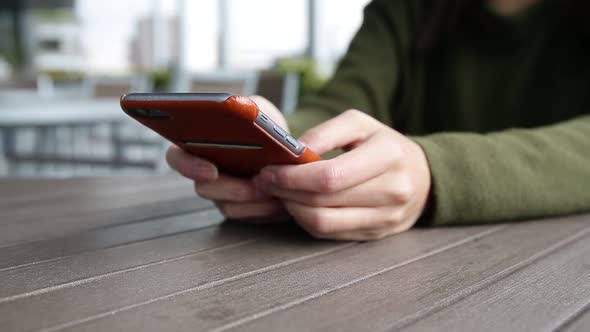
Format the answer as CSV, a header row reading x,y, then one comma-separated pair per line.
x,y
425,103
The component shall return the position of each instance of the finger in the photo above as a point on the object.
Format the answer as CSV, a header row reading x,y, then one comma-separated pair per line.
x,y
324,222
229,188
370,234
190,166
388,189
271,110
347,128
260,209
373,157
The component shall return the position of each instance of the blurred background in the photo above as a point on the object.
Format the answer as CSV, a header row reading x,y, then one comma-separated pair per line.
x,y
64,64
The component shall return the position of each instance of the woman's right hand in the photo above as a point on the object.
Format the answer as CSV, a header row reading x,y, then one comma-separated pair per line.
x,y
236,198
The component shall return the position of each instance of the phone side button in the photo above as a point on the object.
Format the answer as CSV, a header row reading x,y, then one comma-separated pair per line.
x,y
279,131
292,142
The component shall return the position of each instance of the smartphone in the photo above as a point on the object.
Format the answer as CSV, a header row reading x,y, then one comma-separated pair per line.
x,y
228,130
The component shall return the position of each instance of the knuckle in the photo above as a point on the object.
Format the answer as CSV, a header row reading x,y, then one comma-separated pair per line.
x,y
330,179
400,191
353,113
404,191
319,225
224,209
324,227
202,190
393,152
283,179
230,211
396,153
312,137
242,193
359,116
397,217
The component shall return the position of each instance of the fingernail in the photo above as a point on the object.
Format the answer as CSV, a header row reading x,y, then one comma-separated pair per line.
x,y
206,172
268,176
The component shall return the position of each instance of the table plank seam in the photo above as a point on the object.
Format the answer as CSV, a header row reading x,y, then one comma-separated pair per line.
x,y
31,198
74,209
208,206
112,273
137,221
111,246
564,324
468,290
134,220
200,287
354,281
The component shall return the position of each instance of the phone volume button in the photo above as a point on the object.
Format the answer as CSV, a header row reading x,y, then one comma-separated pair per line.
x,y
292,141
279,131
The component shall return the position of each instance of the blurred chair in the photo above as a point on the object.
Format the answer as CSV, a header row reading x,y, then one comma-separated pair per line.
x,y
19,84
132,143
78,136
15,91
113,86
232,82
281,89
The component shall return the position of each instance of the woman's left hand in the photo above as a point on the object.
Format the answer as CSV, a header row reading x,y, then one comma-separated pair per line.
x,y
378,187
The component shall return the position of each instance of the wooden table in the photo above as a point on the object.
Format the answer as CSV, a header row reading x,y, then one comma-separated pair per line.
x,y
112,254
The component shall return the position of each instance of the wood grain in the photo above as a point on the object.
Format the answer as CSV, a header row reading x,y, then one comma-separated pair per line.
x,y
533,298
143,253
47,250
93,200
579,322
90,266
78,301
273,289
56,227
398,297
19,192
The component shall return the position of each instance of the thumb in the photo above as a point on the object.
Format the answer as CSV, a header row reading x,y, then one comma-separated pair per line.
x,y
345,129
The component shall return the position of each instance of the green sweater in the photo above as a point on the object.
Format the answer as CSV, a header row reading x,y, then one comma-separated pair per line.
x,y
504,120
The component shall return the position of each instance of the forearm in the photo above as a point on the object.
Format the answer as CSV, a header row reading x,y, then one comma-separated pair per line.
x,y
510,175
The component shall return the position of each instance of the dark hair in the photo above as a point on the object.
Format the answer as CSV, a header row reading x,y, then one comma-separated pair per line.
x,y
447,20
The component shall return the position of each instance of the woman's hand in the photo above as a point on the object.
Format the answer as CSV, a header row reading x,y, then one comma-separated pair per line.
x,y
236,198
379,187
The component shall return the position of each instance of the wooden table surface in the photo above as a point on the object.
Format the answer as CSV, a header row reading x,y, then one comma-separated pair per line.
x,y
143,253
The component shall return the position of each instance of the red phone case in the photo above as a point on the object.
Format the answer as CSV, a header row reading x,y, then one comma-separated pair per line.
x,y
215,118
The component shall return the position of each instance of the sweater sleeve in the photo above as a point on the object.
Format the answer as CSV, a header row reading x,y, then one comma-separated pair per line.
x,y
368,75
510,175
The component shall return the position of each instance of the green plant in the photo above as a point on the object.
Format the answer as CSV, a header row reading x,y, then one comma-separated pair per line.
x,y
310,80
64,76
162,79
56,15
10,57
